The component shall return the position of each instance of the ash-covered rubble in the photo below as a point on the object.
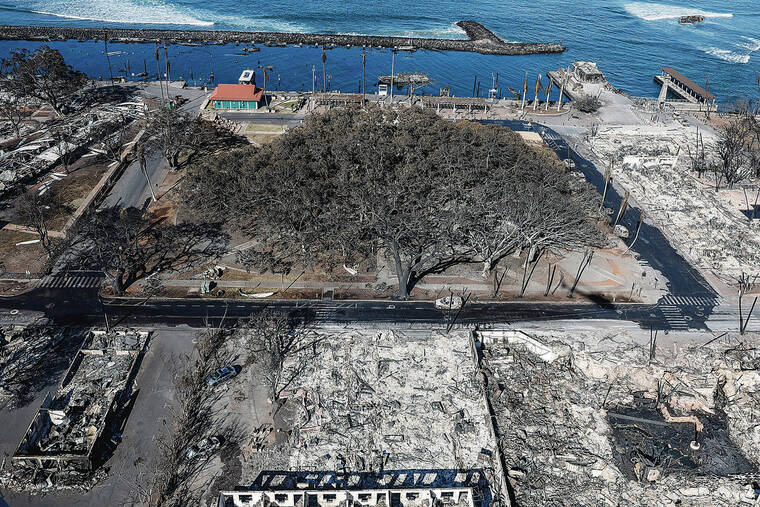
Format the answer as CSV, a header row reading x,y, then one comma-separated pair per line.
x,y
589,419
41,146
72,434
654,164
23,348
369,402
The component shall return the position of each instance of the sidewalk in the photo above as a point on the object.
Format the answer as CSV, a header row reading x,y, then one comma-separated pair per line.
x,y
480,288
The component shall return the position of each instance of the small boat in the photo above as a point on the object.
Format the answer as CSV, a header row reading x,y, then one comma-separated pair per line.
x,y
691,19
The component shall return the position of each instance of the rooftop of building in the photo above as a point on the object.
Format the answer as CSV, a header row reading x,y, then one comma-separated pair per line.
x,y
237,92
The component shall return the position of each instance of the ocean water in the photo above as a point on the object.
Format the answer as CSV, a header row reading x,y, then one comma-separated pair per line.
x,y
630,40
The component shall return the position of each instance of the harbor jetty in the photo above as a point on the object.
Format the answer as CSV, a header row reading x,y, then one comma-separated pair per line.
x,y
480,39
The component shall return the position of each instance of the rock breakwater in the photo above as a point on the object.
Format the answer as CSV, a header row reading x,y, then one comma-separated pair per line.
x,y
481,40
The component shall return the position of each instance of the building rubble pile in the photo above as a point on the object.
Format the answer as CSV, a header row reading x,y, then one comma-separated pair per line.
x,y
41,145
75,427
653,163
370,402
556,421
22,349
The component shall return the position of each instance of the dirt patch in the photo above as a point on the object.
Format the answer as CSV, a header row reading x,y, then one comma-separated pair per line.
x,y
262,138
20,258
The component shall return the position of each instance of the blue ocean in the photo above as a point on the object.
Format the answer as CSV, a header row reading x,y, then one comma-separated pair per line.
x,y
630,40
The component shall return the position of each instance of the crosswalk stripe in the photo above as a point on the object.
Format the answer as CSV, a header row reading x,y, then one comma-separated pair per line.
x,y
690,301
69,282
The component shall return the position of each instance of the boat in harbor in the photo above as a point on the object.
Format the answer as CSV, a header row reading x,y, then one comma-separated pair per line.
x,y
691,19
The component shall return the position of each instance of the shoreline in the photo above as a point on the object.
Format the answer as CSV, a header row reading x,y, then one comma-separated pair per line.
x,y
480,39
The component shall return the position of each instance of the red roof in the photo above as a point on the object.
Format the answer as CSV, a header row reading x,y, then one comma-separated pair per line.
x,y
237,92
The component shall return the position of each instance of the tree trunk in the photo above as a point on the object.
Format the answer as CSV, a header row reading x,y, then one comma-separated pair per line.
x,y
173,161
45,240
118,282
402,272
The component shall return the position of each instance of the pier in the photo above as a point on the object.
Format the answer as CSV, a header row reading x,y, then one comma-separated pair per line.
x,y
692,97
480,39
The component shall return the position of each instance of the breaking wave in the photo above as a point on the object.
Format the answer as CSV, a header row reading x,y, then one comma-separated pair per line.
x,y
751,45
742,55
448,32
656,12
145,12
727,55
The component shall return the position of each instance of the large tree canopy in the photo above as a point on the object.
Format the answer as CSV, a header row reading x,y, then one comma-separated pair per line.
x,y
426,191
129,245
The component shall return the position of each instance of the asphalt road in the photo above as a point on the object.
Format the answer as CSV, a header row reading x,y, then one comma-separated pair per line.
x,y
132,188
81,305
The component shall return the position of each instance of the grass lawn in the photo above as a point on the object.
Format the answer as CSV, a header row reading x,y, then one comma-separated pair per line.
x,y
263,127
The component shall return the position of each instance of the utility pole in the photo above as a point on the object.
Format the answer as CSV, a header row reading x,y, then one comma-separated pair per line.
x,y
638,229
364,63
168,71
105,314
324,70
623,207
393,61
607,177
108,58
144,169
158,72
313,84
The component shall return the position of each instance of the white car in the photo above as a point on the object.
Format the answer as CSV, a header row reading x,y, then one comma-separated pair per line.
x,y
449,303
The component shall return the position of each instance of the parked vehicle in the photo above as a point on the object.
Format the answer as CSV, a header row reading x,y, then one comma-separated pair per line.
x,y
205,447
449,303
220,375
